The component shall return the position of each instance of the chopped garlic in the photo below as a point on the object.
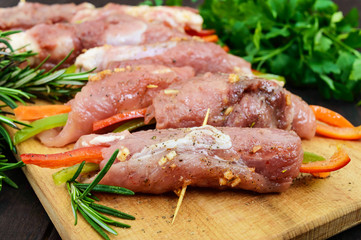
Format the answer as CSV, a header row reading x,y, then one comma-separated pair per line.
x,y
222,181
235,182
152,86
256,148
100,75
228,175
119,69
233,78
162,161
122,155
171,155
228,111
171,91
288,100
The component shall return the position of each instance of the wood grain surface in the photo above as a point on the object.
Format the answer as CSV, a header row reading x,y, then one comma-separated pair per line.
x,y
311,209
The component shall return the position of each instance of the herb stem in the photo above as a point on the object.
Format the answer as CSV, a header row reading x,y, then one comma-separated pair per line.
x,y
342,44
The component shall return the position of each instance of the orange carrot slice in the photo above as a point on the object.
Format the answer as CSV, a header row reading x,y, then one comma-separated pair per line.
x,y
31,113
65,159
138,113
338,160
321,174
210,38
330,117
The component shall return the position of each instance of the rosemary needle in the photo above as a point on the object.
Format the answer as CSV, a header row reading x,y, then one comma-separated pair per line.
x,y
105,188
101,174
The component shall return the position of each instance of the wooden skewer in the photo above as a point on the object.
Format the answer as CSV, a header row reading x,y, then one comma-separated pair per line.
x,y
184,187
206,118
180,200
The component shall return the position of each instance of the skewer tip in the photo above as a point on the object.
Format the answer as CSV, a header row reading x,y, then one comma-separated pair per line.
x,y
180,200
206,117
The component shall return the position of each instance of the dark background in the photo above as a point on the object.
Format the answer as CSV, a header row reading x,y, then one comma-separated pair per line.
x,y
22,215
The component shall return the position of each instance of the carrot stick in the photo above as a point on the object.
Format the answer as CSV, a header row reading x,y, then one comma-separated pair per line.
x,y
31,113
210,38
344,133
330,117
338,160
138,113
321,174
65,159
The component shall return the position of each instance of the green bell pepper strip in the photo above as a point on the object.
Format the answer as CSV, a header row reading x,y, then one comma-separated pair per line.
x,y
269,76
67,173
133,124
39,126
311,157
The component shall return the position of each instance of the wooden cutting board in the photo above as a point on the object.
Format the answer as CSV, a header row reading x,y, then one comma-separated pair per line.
x,y
311,209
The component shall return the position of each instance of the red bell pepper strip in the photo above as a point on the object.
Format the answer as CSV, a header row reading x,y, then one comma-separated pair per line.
x,y
65,159
138,113
31,113
338,160
334,125
330,117
344,133
201,33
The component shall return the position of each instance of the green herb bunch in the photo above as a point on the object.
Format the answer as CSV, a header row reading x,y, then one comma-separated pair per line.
x,y
84,202
309,42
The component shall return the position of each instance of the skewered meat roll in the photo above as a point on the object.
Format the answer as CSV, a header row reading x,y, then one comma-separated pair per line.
x,y
57,40
233,100
202,56
174,17
157,161
26,15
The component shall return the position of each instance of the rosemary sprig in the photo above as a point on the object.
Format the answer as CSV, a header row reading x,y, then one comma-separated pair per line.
x,y
52,85
19,81
83,201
